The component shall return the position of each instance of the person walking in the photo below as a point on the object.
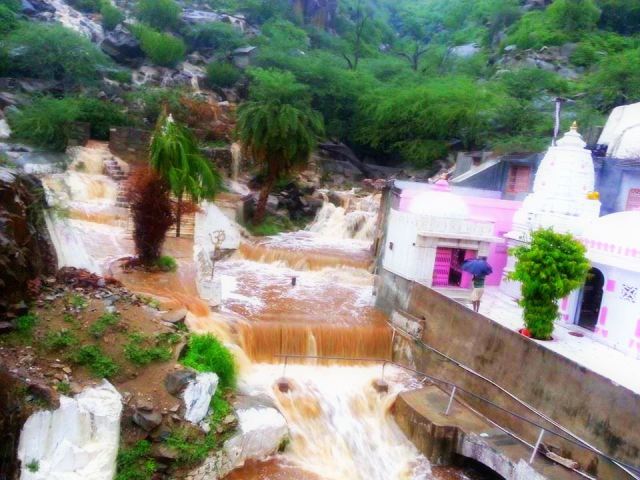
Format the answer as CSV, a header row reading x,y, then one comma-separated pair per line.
x,y
479,268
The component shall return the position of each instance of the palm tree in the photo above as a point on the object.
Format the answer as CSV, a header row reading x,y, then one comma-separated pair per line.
x,y
175,156
280,133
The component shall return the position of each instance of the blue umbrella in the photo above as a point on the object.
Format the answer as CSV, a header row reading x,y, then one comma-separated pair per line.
x,y
477,267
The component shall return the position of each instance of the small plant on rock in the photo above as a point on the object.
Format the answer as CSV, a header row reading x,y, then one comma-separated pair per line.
x,y
549,268
56,341
135,462
142,350
33,466
92,357
167,263
100,326
205,353
25,324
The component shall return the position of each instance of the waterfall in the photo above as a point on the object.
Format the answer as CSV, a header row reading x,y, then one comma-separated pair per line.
x,y
340,426
78,441
236,160
5,130
69,244
355,219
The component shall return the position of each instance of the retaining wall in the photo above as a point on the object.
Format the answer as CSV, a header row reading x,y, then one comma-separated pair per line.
x,y
602,413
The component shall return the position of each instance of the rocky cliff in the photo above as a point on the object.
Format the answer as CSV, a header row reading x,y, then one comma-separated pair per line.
x,y
26,251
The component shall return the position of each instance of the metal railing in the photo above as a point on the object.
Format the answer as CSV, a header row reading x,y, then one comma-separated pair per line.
x,y
455,389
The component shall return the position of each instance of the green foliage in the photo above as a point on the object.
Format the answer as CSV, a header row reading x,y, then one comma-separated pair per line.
x,y
534,30
63,388
77,301
45,123
549,268
616,82
223,74
98,328
135,462
271,225
278,127
13,5
283,35
101,115
205,353
92,357
166,263
57,341
111,15
175,156
25,324
530,83
622,16
142,350
163,49
218,36
160,14
573,15
33,466
8,21
53,52
152,101
220,408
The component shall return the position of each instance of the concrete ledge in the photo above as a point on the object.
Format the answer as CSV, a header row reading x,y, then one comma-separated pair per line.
x,y
441,438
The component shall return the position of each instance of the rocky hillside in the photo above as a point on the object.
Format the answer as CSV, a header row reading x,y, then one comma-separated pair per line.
x,y
400,82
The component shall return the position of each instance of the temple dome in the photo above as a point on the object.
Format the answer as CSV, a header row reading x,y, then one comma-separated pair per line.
x,y
439,202
615,240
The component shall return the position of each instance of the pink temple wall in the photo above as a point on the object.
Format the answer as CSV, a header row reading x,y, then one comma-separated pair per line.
x,y
481,208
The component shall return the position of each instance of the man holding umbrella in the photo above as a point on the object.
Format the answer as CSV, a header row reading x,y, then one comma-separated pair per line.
x,y
479,268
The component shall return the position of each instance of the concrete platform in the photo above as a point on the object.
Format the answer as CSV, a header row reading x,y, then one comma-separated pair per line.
x,y
420,415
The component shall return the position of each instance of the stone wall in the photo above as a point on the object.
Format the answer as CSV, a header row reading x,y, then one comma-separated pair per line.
x,y
587,404
130,144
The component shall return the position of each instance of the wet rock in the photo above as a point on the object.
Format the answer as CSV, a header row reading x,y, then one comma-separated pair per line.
x,y
380,386
175,382
6,327
144,405
163,453
123,47
197,396
147,420
175,316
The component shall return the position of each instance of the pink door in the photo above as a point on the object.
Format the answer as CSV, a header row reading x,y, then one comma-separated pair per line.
x,y
443,266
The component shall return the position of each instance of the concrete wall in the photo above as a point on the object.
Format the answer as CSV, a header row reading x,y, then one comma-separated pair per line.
x,y
587,404
130,144
614,181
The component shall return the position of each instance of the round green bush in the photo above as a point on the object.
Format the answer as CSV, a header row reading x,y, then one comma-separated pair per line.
x,y
162,48
205,353
223,75
160,14
8,21
111,16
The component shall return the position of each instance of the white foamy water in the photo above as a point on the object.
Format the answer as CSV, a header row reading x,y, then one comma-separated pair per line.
x,y
341,427
339,223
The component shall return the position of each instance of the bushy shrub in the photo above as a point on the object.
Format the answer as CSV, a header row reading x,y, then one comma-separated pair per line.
x,y
135,462
161,14
535,31
615,82
573,15
216,35
166,263
223,74
549,268
101,115
529,83
162,49
59,340
45,123
205,353
98,328
13,5
26,323
8,21
141,350
622,16
53,52
111,15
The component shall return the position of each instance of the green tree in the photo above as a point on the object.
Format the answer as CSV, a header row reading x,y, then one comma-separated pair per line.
x,y
574,15
111,16
53,52
218,36
8,21
549,268
622,16
616,81
160,14
174,154
278,127
163,49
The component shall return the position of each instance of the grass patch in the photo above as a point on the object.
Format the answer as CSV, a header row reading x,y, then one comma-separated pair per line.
x,y
63,387
33,466
71,320
166,263
205,353
191,446
135,463
25,324
77,301
220,408
142,350
271,225
100,326
57,341
92,357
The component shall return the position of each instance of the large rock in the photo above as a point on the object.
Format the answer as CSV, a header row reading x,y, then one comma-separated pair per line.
x,y
176,381
197,396
147,420
78,441
123,47
26,251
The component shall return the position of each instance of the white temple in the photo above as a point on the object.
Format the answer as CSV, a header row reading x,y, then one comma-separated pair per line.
x,y
562,197
621,133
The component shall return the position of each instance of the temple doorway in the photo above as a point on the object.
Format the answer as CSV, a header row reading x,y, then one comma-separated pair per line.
x,y
591,300
447,271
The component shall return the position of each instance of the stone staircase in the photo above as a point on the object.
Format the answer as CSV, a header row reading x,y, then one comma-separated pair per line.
x,y
113,170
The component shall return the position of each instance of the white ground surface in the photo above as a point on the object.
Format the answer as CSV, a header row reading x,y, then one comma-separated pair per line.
x,y
620,368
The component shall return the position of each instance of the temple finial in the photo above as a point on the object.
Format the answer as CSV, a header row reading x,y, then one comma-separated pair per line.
x,y
574,126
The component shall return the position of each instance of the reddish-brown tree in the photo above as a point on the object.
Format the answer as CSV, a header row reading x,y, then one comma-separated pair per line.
x,y
152,213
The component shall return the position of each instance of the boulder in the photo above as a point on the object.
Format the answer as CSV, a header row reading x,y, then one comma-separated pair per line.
x,y
465,51
176,381
174,316
197,396
147,420
123,47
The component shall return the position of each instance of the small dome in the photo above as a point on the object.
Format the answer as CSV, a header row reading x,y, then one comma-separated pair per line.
x,y
615,240
439,202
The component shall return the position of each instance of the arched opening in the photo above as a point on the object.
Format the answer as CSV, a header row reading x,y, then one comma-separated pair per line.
x,y
591,299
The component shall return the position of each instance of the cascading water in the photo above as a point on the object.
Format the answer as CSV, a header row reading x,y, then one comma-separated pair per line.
x,y
340,425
